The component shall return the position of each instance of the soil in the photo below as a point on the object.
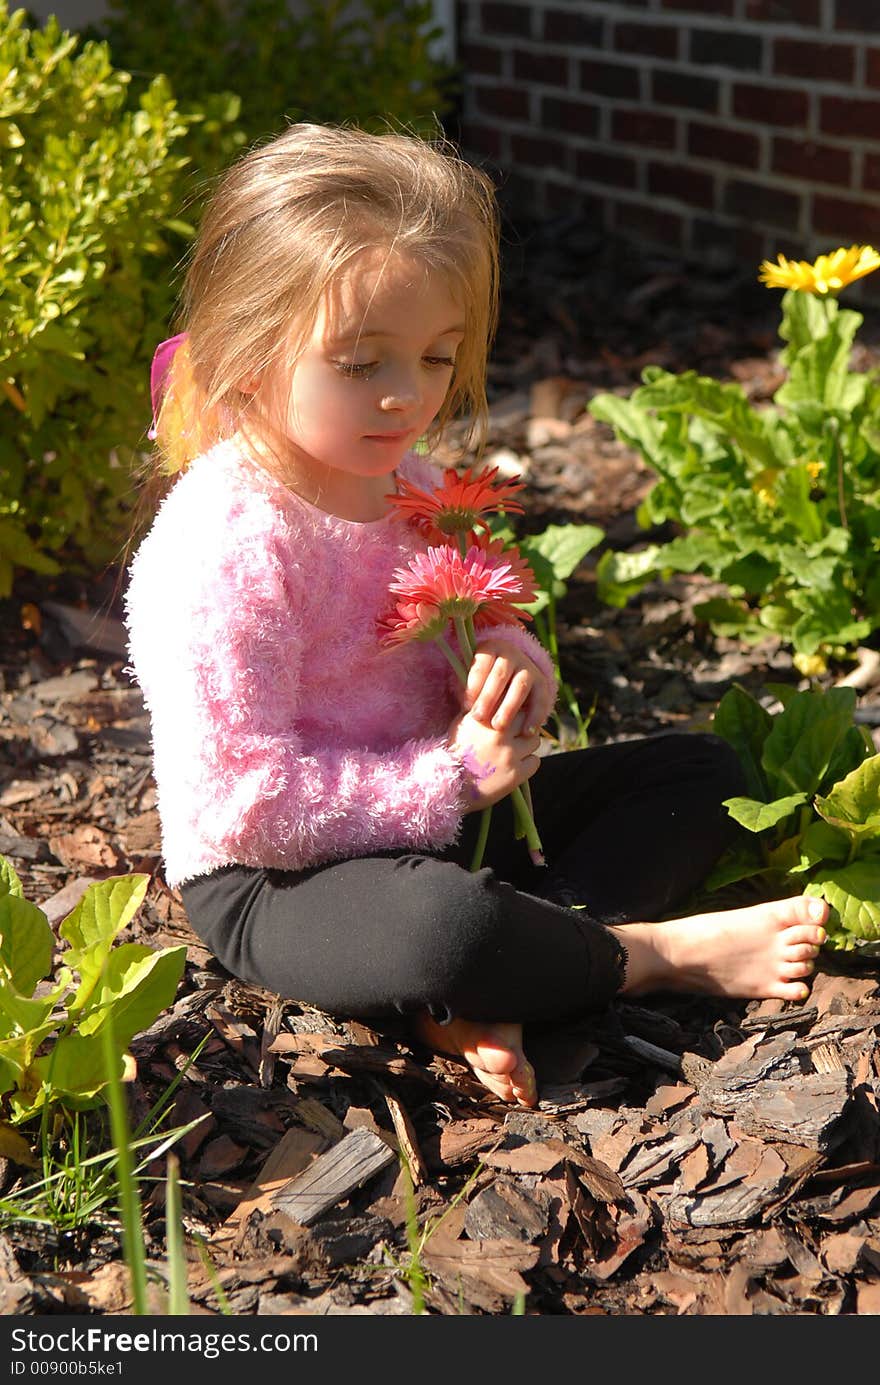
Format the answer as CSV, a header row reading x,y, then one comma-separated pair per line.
x,y
688,1155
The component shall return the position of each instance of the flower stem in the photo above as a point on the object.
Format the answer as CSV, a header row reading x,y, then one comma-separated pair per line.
x,y
464,630
527,823
480,847
453,658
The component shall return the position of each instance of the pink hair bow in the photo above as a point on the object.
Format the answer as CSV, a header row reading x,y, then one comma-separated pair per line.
x,y
161,364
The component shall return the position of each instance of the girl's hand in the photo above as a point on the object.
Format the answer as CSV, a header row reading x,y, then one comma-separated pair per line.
x,y
498,761
503,682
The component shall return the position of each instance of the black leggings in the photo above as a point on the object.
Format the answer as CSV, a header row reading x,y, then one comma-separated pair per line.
x,y
629,829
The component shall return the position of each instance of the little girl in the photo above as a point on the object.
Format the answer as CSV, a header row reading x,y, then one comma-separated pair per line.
x,y
320,795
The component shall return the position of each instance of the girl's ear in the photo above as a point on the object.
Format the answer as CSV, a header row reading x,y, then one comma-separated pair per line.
x,y
250,384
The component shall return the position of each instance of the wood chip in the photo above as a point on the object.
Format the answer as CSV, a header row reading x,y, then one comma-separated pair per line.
x,y
407,1139
291,1155
333,1176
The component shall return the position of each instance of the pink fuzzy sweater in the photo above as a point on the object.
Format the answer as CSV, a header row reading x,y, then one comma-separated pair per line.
x,y
283,735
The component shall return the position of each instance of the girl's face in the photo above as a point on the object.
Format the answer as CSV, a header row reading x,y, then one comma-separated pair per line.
x,y
374,373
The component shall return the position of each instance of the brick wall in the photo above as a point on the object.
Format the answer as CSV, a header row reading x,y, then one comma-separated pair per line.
x,y
736,128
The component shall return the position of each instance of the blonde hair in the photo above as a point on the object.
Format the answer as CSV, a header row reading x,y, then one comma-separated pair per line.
x,y
284,222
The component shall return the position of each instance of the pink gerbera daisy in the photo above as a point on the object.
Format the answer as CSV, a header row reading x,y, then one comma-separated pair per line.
x,y
461,585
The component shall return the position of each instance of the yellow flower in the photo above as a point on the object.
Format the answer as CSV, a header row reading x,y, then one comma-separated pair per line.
x,y
814,469
827,274
762,485
810,665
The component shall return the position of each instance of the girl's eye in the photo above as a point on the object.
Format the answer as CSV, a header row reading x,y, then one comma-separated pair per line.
x,y
439,362
356,371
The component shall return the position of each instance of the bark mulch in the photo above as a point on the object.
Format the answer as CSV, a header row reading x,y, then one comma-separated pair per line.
x,y
689,1155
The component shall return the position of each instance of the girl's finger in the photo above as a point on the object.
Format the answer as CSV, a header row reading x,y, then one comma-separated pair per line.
x,y
492,691
477,675
514,699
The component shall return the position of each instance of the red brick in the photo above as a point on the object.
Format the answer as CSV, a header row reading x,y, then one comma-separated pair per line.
x,y
688,185
636,125
562,197
539,152
816,163
848,222
479,57
785,11
574,117
823,62
610,79
724,145
650,223
681,89
770,105
872,67
561,26
510,102
840,115
651,39
860,15
725,48
871,173
596,167
761,202
549,68
484,140
702,7
505,19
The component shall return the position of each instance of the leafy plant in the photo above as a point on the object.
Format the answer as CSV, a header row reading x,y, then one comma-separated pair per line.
x,y
553,555
334,61
90,197
779,503
52,1039
813,806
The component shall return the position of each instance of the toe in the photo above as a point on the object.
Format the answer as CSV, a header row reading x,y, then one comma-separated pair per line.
x,y
500,1085
792,970
801,952
791,990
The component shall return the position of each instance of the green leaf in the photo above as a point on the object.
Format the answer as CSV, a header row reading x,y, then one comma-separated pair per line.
x,y
26,943
804,737
854,803
9,881
564,546
22,1013
853,893
631,424
104,910
137,983
739,862
745,724
821,842
620,575
757,817
74,1071
804,318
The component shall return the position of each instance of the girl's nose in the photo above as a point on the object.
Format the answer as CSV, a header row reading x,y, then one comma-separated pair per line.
x,y
391,403
401,393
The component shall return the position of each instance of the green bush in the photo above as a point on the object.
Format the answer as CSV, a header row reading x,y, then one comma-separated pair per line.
x,y
335,63
88,196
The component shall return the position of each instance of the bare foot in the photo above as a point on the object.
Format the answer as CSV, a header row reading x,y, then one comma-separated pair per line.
x,y
762,951
493,1051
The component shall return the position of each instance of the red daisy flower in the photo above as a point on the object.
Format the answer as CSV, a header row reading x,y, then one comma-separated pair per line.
x,y
458,505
